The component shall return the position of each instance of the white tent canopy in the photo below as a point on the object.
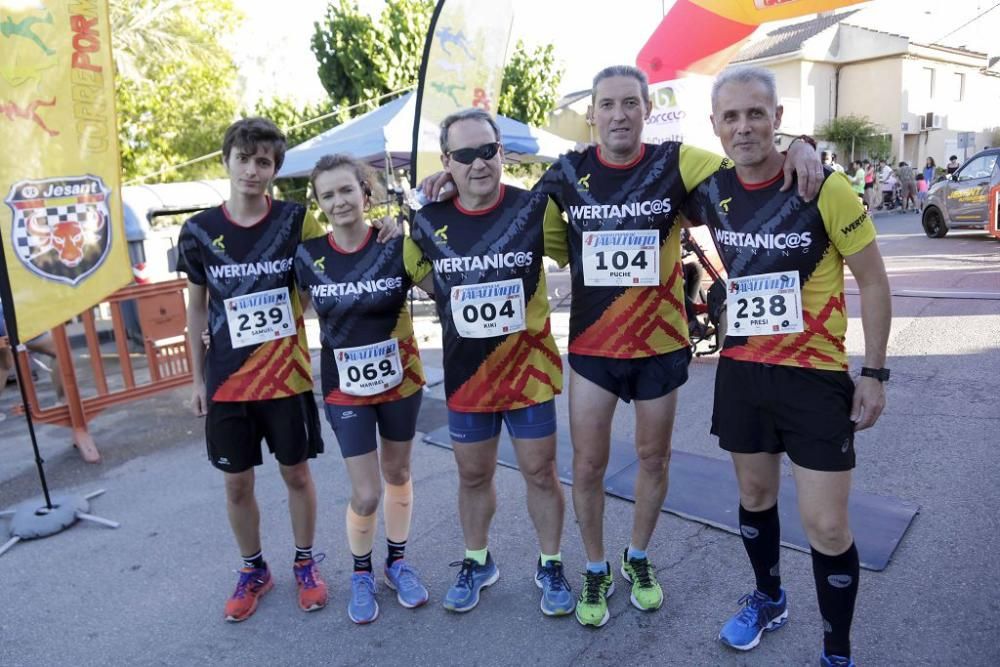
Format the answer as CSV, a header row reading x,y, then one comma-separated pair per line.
x,y
387,132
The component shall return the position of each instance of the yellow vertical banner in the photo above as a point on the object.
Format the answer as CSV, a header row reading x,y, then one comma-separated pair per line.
x,y
61,228
463,66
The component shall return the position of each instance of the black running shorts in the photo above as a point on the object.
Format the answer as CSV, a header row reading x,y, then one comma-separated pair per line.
x,y
802,411
641,379
290,426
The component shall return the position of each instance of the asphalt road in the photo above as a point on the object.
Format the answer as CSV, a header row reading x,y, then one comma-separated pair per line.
x,y
151,592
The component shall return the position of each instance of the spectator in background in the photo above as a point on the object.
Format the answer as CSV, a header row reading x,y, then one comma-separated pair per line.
x,y
907,185
930,167
953,165
887,183
830,160
856,175
871,199
40,344
836,165
922,186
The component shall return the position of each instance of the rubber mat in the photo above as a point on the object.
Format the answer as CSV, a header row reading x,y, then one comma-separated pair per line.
x,y
704,489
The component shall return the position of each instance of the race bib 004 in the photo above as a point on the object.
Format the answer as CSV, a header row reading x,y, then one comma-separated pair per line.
x,y
765,304
628,258
488,309
259,317
367,370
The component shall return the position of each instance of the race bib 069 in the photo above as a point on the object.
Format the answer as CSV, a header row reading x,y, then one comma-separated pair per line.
x,y
628,258
488,309
259,317
765,304
367,370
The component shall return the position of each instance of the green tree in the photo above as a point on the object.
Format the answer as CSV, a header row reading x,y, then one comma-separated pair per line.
x,y
361,59
530,85
294,119
855,135
175,84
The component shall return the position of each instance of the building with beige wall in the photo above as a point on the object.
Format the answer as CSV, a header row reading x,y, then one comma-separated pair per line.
x,y
931,100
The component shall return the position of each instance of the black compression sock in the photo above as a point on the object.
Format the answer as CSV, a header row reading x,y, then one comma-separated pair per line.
x,y
837,589
303,553
397,551
255,561
363,563
761,533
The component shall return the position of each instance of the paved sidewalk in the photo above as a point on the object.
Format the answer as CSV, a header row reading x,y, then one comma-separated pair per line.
x,y
151,592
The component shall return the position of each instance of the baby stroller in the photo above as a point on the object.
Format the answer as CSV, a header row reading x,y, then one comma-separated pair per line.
x,y
892,200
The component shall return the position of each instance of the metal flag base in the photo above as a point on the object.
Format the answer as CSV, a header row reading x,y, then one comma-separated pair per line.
x,y
34,519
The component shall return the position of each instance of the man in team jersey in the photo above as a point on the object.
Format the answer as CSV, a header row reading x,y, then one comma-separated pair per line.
x,y
255,380
484,251
782,384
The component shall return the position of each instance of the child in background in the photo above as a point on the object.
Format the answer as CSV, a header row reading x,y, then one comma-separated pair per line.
x,y
922,188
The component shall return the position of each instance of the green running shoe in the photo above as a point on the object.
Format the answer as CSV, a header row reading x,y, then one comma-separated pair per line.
x,y
646,592
592,606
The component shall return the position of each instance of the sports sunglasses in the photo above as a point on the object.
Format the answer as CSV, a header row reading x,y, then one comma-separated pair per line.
x,y
469,155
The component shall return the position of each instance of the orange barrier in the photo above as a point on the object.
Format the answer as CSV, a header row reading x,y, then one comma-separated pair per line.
x,y
161,316
993,223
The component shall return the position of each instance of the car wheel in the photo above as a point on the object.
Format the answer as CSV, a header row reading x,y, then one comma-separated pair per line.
x,y
934,225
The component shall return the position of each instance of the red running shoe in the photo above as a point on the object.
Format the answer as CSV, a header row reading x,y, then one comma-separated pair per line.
x,y
253,583
312,588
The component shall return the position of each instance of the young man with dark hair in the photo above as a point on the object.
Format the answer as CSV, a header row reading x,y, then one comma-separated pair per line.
x,y
255,380
782,384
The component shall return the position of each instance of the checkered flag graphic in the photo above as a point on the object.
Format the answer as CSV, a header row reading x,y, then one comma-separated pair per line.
x,y
30,246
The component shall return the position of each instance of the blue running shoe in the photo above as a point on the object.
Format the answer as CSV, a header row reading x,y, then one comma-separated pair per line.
x,y
472,578
403,579
834,660
557,598
362,607
759,614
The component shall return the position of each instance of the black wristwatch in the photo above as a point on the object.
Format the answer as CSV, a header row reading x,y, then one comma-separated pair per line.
x,y
880,374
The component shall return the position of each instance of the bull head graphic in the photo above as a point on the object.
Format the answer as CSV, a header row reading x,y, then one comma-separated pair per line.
x,y
67,237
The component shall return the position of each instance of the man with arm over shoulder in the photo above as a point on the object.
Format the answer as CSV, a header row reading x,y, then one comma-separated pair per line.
x,y
782,384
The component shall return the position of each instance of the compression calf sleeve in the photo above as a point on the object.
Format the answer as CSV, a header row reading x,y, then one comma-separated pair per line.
x,y
360,532
761,532
398,508
837,589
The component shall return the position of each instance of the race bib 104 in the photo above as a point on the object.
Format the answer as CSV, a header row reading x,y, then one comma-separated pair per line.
x,y
488,309
764,305
259,317
628,258
367,370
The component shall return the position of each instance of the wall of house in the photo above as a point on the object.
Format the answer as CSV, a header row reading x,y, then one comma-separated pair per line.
x,y
788,78
868,88
965,105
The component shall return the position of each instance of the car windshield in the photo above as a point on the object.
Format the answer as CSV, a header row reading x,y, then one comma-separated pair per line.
x,y
979,167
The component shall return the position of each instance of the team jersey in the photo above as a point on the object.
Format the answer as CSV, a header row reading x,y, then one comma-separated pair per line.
x,y
365,325
622,243
489,288
760,230
248,274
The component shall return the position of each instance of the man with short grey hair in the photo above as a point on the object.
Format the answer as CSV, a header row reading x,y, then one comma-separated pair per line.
x,y
782,383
